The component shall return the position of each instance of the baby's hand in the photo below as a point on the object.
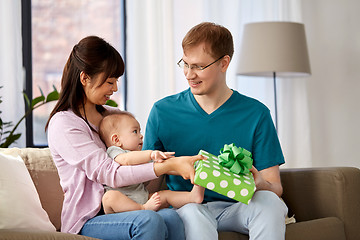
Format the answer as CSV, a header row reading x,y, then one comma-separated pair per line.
x,y
159,156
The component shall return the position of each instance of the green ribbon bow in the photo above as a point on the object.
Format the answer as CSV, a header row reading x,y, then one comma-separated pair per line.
x,y
237,159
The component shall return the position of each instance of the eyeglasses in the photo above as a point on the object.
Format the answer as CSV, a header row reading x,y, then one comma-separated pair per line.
x,y
184,65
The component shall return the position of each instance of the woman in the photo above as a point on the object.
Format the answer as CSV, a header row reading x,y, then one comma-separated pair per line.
x,y
89,79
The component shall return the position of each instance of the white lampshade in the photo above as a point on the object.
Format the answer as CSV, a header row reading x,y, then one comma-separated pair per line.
x,y
274,47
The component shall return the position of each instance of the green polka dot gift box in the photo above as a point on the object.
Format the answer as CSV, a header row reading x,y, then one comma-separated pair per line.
x,y
214,175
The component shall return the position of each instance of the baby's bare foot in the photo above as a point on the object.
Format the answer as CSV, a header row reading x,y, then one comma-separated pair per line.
x,y
153,203
197,194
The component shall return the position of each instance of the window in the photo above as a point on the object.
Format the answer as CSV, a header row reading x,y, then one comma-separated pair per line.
x,y
55,27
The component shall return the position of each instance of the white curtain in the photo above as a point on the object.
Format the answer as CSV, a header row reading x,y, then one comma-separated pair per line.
x,y
11,71
154,33
150,54
293,109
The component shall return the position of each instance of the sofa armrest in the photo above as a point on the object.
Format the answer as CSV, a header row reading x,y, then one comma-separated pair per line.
x,y
324,192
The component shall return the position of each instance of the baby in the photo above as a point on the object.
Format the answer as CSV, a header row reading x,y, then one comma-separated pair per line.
x,y
121,134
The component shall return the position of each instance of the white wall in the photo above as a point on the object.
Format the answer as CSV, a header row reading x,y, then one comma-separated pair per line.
x,y
333,36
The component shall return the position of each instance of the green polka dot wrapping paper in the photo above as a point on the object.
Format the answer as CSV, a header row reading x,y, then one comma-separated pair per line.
x,y
211,175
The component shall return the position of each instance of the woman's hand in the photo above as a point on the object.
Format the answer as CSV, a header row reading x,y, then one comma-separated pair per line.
x,y
183,166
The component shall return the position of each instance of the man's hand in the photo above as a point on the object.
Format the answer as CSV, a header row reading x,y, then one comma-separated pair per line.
x,y
259,180
268,179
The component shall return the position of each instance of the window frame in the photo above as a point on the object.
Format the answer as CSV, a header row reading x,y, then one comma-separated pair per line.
x,y
26,25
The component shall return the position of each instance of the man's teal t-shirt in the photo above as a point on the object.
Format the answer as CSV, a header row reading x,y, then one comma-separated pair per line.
x,y
178,124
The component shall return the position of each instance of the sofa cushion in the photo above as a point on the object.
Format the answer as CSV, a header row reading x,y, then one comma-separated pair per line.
x,y
330,228
39,235
20,206
45,177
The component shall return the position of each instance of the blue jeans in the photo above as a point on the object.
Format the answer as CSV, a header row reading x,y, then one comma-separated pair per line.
x,y
143,224
262,219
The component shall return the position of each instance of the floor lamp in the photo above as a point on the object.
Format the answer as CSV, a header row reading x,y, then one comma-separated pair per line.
x,y
274,49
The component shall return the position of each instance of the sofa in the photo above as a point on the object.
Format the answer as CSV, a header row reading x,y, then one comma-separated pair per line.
x,y
324,201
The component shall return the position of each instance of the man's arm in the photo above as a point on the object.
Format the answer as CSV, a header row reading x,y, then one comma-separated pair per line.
x,y
268,179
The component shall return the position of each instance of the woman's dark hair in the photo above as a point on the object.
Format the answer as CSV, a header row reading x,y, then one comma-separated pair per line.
x,y
92,55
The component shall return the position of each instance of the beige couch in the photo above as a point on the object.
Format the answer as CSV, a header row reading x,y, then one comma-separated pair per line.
x,y
325,201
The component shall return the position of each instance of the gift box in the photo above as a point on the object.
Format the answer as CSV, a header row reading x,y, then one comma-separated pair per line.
x,y
214,176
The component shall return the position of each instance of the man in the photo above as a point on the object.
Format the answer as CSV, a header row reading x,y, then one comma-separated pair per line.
x,y
208,115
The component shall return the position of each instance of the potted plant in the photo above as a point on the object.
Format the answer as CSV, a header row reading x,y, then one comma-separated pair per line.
x,y
7,129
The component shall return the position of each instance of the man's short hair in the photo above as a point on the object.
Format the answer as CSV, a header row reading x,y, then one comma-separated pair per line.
x,y
218,39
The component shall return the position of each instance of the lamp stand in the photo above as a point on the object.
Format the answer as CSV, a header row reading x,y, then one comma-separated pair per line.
x,y
275,99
